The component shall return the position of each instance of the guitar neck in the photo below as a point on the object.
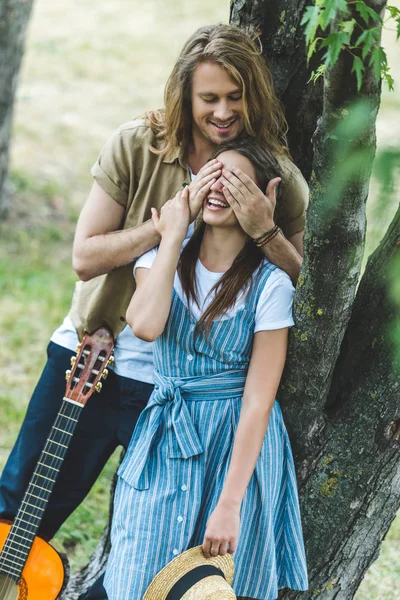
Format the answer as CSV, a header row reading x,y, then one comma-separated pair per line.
x,y
22,533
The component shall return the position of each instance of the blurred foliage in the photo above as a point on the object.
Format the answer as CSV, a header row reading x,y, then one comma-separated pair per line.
x,y
341,32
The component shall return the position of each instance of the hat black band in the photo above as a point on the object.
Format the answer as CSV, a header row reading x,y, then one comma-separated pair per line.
x,y
190,579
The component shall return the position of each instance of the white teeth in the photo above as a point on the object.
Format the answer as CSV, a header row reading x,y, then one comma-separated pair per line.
x,y
224,126
218,203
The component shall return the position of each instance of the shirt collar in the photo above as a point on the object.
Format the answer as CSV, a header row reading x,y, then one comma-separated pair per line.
x,y
177,155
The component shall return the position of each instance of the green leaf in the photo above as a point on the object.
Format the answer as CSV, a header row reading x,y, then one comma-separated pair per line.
x,y
367,38
317,74
331,9
348,26
311,48
389,80
310,19
398,29
378,61
334,43
358,68
366,12
394,11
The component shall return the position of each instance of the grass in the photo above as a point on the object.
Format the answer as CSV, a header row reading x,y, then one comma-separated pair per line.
x,y
88,68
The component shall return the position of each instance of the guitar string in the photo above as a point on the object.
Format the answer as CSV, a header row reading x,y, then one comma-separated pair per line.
x,y
9,584
40,494
59,453
75,412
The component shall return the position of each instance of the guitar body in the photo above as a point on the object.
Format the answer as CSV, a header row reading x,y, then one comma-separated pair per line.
x,y
43,574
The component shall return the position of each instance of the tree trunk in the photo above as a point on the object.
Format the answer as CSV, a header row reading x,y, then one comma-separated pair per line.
x,y
14,17
283,42
338,394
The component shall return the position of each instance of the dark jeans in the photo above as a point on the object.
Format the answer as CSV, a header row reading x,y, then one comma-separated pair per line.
x,y
107,421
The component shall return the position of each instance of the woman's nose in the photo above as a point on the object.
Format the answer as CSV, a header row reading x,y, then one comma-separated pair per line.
x,y
217,186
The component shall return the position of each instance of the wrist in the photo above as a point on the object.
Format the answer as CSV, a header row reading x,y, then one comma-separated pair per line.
x,y
229,503
151,230
262,229
171,239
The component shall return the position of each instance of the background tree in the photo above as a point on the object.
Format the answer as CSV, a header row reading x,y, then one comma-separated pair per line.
x,y
339,393
14,18
344,435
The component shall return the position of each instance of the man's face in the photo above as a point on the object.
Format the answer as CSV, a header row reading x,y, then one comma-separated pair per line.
x,y
217,105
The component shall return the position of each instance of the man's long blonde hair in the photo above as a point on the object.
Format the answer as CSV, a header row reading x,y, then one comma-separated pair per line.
x,y
239,54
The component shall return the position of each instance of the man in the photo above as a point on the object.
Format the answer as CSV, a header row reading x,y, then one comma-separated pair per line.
x,y
219,89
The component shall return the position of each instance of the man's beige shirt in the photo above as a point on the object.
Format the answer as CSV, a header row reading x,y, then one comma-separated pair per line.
x,y
138,179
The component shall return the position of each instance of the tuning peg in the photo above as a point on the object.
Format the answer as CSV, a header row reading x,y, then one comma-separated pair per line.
x,y
111,361
98,386
67,375
73,360
78,347
104,374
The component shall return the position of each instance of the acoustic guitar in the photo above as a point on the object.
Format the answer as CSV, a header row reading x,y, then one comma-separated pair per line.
x,y
31,569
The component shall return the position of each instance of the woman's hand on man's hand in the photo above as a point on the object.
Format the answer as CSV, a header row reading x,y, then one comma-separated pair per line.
x,y
174,217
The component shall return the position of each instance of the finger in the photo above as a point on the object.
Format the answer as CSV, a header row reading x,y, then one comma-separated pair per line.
x,y
185,194
154,216
214,548
199,183
272,185
232,546
245,180
223,548
209,167
232,195
177,196
203,191
238,183
206,178
207,547
271,191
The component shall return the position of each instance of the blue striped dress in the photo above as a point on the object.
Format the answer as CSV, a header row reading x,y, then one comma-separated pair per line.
x,y
172,475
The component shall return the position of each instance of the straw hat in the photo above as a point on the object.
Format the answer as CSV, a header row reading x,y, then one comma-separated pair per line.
x,y
191,576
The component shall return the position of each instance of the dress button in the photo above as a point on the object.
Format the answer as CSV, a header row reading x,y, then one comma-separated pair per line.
x,y
184,488
180,519
175,552
190,357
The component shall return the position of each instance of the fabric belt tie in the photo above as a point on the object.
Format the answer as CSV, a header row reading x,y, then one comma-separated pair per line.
x,y
170,394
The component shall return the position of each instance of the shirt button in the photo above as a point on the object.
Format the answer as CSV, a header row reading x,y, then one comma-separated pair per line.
x,y
184,488
180,519
190,357
175,552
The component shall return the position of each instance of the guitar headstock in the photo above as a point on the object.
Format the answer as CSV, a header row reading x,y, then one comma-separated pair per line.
x,y
89,366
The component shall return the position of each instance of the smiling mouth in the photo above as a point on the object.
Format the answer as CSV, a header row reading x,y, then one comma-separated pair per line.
x,y
223,125
214,203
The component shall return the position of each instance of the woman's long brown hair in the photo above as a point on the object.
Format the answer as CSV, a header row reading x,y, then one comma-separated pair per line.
x,y
240,274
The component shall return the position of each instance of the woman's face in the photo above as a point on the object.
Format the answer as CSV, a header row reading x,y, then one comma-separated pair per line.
x,y
216,210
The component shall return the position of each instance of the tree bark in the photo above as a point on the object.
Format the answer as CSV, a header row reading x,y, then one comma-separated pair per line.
x,y
283,42
339,393
14,18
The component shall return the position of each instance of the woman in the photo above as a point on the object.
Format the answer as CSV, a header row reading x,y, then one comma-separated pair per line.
x,y
210,461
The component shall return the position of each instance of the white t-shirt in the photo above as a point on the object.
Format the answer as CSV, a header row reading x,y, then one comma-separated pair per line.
x,y
274,307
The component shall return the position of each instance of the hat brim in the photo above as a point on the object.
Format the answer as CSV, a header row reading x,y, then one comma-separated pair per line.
x,y
164,581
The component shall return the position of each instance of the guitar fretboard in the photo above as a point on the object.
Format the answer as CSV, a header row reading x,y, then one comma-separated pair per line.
x,y
22,533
